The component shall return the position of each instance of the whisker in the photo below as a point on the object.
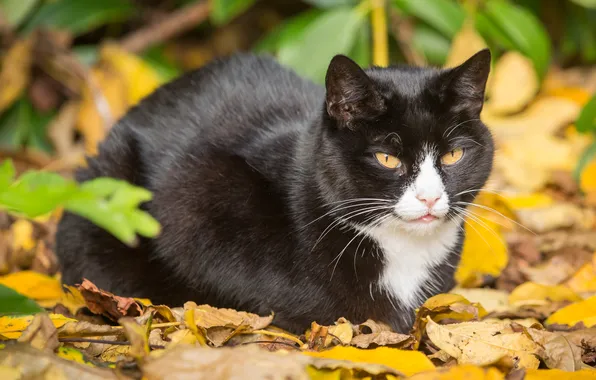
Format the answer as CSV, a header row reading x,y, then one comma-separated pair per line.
x,y
498,213
482,224
451,129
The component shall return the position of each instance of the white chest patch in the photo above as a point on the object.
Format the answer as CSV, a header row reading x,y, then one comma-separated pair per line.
x,y
409,259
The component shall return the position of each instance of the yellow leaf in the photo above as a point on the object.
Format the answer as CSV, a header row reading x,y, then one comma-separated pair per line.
x,y
34,285
490,299
584,280
73,354
531,293
582,311
514,84
137,335
484,251
22,235
16,71
557,374
72,299
342,330
408,362
484,343
587,181
115,353
460,372
41,333
103,102
12,327
577,94
528,200
140,77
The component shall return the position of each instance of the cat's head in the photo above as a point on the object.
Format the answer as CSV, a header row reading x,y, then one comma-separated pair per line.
x,y
404,143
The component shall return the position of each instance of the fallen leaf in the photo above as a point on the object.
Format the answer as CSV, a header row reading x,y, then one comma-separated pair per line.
x,y
484,343
559,352
379,335
105,303
75,329
582,311
445,306
115,353
490,299
514,84
584,280
41,333
528,200
137,335
12,327
402,361
16,71
560,215
74,355
531,293
184,362
340,332
22,235
460,372
557,374
44,289
587,181
35,364
72,299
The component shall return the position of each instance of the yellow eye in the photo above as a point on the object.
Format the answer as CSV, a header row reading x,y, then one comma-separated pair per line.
x,y
452,157
387,160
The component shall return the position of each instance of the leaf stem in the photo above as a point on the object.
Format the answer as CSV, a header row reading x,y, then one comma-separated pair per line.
x,y
279,335
379,28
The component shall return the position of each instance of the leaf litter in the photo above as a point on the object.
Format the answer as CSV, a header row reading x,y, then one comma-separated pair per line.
x,y
524,305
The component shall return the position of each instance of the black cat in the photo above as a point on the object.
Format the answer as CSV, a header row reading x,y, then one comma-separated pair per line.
x,y
276,194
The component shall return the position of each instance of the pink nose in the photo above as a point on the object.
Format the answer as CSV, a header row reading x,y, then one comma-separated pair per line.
x,y
429,201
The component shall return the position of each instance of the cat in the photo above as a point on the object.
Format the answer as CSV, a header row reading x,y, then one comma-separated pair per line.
x,y
279,195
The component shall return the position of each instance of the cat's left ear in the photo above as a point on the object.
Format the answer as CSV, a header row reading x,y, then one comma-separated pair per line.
x,y
351,94
465,85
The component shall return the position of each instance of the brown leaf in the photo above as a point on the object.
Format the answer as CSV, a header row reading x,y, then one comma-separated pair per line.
x,y
559,352
107,304
196,363
561,215
35,364
207,316
41,333
83,329
16,71
381,335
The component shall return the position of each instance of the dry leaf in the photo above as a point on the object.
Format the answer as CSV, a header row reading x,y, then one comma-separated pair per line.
x,y
74,329
587,182
183,362
41,333
106,303
466,43
484,343
11,327
35,364
514,84
404,361
490,299
380,335
137,335
559,352
531,293
557,374
582,311
16,71
560,215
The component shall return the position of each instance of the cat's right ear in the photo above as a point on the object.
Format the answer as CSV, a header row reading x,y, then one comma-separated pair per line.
x,y
351,94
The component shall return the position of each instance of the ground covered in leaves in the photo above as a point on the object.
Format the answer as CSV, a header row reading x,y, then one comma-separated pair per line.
x,y
524,307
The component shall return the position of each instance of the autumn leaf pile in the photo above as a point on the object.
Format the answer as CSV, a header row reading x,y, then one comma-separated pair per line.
x,y
524,306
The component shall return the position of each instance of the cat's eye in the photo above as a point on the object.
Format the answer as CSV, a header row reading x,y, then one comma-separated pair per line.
x,y
387,160
452,157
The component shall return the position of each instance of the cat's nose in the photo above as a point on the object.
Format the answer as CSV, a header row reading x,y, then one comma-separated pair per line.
x,y
428,200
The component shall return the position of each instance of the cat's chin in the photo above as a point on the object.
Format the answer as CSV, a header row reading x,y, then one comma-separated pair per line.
x,y
423,226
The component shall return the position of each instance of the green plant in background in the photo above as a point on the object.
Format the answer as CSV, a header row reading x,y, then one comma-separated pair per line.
x,y
586,123
111,204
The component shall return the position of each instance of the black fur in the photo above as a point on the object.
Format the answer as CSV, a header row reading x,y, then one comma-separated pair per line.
x,y
243,155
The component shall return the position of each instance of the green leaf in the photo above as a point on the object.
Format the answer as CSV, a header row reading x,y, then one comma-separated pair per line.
x,y
330,3
156,58
491,32
15,11
362,50
23,125
586,3
333,32
289,32
433,45
586,121
110,203
445,16
12,131
524,30
12,303
584,160
80,16
223,11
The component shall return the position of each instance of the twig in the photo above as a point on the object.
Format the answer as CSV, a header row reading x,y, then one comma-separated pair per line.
x,y
103,341
272,342
172,25
279,335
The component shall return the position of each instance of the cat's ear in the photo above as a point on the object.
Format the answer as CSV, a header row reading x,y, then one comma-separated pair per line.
x,y
465,84
351,94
